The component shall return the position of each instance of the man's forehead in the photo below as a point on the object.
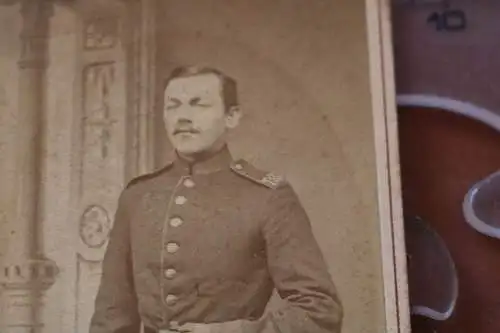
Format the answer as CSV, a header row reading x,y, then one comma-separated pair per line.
x,y
196,84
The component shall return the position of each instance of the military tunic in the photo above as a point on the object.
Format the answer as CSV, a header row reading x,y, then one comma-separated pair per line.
x,y
209,243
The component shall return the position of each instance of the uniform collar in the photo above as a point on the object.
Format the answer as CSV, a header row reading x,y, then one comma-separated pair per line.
x,y
207,164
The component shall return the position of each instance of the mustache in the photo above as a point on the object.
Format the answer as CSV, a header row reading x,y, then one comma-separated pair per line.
x,y
181,129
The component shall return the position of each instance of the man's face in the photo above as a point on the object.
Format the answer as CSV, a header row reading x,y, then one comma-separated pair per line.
x,y
195,115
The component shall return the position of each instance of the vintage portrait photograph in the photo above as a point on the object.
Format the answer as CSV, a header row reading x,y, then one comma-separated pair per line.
x,y
195,166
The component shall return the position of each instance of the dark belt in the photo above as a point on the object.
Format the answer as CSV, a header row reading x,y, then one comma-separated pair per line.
x,y
153,330
182,330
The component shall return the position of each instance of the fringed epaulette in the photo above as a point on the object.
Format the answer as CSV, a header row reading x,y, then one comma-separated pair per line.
x,y
149,176
248,171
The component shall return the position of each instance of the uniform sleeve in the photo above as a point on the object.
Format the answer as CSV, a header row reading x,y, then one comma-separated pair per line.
x,y
116,306
299,272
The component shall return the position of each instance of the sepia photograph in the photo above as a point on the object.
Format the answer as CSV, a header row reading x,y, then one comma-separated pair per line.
x,y
199,166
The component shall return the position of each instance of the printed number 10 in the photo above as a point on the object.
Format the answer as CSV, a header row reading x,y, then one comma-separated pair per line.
x,y
449,20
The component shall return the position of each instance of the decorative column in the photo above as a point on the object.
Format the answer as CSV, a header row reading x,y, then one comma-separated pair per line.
x,y
26,273
100,145
140,36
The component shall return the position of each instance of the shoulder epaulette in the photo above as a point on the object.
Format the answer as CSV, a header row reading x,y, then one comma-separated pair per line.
x,y
148,176
248,171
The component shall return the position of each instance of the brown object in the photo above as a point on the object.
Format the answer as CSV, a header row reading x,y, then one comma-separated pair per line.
x,y
432,275
442,156
482,206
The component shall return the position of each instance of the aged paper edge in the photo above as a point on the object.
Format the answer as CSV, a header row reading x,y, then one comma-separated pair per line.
x,y
393,249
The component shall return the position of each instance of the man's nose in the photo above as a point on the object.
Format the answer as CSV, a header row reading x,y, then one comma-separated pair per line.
x,y
185,112
184,121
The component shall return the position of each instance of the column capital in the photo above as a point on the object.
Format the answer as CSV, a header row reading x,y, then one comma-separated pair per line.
x,y
34,33
7,2
13,2
40,9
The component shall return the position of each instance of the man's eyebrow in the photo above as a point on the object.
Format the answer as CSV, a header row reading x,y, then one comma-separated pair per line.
x,y
174,100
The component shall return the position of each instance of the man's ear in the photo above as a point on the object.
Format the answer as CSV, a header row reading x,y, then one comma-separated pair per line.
x,y
233,116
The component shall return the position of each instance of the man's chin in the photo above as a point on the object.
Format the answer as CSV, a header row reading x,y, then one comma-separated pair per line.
x,y
189,150
194,148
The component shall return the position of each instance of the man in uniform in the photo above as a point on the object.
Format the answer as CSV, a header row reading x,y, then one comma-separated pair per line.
x,y
200,245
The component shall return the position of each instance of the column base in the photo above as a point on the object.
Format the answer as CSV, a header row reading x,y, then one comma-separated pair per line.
x,y
24,284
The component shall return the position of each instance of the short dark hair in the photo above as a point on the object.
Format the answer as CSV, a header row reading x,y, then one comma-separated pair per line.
x,y
229,86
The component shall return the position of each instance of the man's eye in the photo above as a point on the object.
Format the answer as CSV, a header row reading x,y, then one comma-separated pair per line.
x,y
203,105
200,103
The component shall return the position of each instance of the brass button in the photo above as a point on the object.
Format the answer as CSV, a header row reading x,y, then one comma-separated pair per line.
x,y
170,273
189,183
176,222
171,299
180,200
172,247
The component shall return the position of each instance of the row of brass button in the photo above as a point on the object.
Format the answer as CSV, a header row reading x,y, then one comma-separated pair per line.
x,y
173,247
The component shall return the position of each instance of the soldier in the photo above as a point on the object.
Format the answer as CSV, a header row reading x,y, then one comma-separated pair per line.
x,y
200,245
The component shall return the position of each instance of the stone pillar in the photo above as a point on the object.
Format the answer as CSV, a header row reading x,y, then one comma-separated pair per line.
x,y
26,273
